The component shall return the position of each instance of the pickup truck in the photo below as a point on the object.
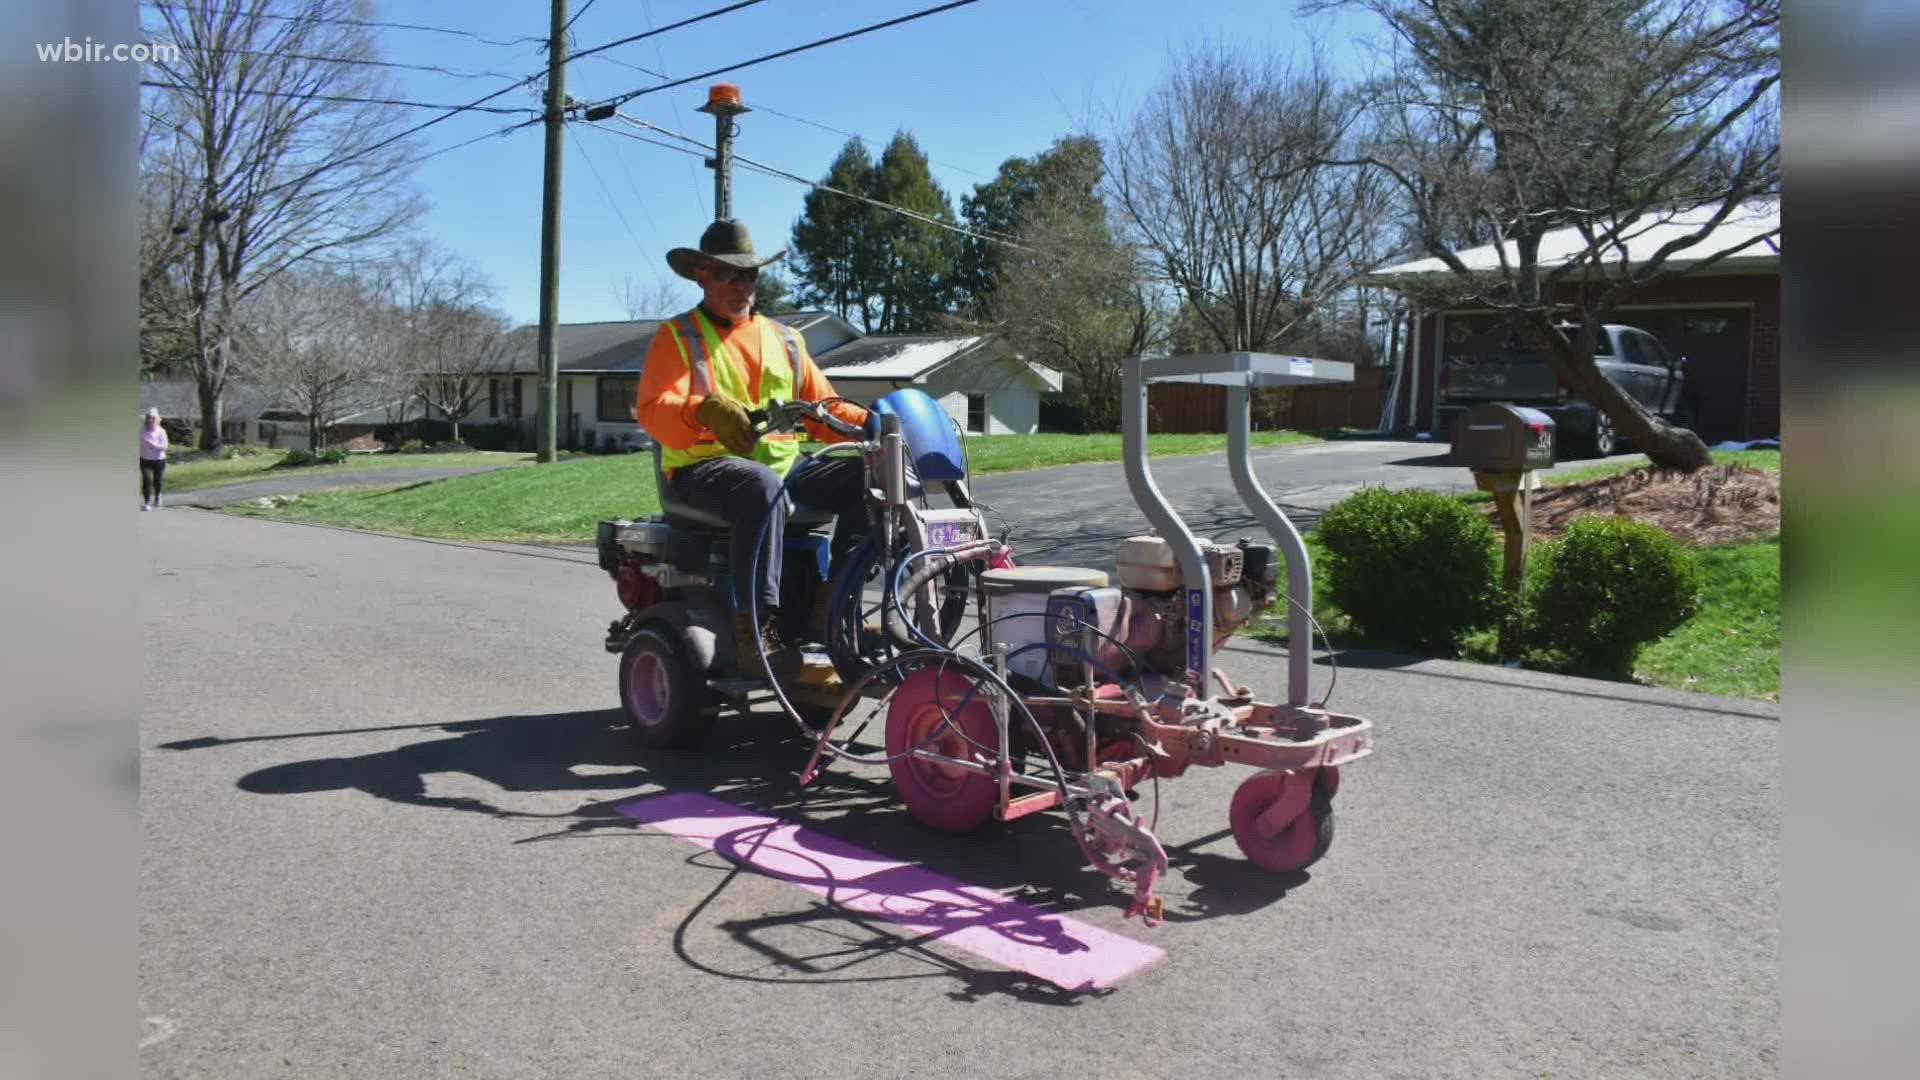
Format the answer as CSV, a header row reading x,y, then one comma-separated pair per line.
x,y
1509,372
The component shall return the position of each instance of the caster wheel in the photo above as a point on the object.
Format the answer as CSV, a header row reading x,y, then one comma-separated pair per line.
x,y
923,712
659,692
1283,823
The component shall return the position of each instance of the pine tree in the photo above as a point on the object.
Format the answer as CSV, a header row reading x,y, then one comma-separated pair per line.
x,y
917,258
835,241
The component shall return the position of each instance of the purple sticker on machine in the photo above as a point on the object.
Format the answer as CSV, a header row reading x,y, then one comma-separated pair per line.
x,y
1196,629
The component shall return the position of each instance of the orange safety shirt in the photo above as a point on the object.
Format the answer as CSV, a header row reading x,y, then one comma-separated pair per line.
x,y
669,409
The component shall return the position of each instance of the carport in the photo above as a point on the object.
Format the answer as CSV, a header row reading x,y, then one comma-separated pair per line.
x,y
1723,317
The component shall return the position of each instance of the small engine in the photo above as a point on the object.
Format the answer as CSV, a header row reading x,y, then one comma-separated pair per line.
x,y
1146,611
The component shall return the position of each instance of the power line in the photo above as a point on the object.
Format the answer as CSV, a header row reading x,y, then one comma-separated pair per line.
x,y
568,25
496,133
698,149
630,67
631,94
859,138
421,27
338,98
699,202
375,63
663,29
604,190
649,142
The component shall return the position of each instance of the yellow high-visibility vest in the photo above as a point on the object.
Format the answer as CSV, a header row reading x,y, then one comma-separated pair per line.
x,y
712,369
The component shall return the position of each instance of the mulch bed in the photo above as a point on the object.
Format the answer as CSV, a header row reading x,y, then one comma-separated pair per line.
x,y
1718,505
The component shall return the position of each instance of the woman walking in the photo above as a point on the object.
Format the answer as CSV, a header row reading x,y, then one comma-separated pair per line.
x,y
153,459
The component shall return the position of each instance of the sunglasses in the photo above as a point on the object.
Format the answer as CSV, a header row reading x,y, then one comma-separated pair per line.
x,y
727,275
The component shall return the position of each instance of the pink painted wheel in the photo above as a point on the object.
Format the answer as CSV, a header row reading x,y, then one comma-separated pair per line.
x,y
659,692
925,711
1283,822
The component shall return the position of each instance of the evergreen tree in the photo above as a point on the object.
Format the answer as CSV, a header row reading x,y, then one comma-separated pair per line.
x,y
835,242
1071,169
917,258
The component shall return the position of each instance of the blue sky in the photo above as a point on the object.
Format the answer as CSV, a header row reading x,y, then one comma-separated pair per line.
x,y
974,85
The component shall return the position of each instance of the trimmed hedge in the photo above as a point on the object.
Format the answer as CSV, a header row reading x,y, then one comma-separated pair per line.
x,y
1412,569
1607,587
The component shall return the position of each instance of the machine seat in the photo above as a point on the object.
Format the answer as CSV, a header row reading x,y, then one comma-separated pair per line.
x,y
692,517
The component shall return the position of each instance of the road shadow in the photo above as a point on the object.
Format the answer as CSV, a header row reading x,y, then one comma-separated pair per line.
x,y
1442,460
753,762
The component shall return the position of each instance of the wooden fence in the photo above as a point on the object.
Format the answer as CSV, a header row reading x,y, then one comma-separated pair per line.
x,y
1184,408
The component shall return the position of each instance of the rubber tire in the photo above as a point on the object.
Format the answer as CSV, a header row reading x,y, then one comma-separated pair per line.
x,y
674,719
1604,441
956,802
1250,801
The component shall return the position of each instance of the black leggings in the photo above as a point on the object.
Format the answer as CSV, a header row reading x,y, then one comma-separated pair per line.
x,y
151,473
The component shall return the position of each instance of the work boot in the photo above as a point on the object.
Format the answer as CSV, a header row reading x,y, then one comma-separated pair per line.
x,y
778,661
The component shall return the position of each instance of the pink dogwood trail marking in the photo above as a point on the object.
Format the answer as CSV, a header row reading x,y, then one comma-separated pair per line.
x,y
1066,952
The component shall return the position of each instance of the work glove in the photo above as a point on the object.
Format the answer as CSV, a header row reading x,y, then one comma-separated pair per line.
x,y
728,422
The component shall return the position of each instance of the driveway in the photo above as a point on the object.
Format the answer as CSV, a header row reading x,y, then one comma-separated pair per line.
x,y
1078,514
388,832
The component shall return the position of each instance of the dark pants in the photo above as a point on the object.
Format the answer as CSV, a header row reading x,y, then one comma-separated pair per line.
x,y
151,473
741,490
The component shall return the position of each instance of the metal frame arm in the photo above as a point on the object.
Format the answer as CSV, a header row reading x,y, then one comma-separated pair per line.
x,y
1292,547
1186,548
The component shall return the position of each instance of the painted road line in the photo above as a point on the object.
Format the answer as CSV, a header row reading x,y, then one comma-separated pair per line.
x,y
1066,952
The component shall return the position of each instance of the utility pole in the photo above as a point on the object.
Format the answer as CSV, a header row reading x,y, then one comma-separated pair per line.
x,y
545,435
723,101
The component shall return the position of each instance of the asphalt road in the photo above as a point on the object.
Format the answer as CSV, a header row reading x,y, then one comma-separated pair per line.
x,y
1077,515
378,789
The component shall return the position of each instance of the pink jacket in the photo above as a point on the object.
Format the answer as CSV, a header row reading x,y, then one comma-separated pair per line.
x,y
153,443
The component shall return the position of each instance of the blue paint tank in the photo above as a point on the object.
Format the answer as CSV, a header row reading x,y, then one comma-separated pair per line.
x,y
932,441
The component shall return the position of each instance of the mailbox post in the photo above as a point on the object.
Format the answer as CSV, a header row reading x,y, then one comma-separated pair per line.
x,y
1503,445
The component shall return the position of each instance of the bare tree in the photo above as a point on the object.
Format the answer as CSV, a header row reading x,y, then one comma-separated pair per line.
x,y
1640,127
452,340
271,158
1220,176
321,342
663,299
1075,298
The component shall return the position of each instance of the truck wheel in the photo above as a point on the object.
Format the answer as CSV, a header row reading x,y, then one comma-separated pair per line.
x,y
663,699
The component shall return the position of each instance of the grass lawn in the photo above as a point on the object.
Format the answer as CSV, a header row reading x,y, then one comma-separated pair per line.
x,y
197,472
989,454
563,502
1730,647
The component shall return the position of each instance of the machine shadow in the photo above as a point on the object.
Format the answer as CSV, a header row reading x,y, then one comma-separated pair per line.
x,y
751,762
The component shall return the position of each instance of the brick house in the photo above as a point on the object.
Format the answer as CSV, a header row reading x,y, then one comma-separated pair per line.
x,y
1724,318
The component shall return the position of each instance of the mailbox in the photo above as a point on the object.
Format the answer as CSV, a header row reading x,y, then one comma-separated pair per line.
x,y
1503,438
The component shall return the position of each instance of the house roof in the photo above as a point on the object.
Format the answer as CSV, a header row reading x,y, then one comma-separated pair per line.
x,y
1645,237
178,398
901,357
595,346
620,345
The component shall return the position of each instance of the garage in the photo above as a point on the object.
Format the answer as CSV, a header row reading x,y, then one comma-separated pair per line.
x,y
1722,313
1718,345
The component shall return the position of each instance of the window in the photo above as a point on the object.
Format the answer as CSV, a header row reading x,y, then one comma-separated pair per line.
x,y
516,398
617,394
493,398
1630,348
977,413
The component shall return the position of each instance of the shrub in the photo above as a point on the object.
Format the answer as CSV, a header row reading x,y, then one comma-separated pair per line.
x,y
1412,569
1609,586
411,446
333,455
297,458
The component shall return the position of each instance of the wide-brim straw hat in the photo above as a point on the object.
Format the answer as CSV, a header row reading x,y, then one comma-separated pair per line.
x,y
727,242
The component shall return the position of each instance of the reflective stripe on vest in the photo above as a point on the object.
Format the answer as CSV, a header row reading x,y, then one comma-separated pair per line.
x,y
711,370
